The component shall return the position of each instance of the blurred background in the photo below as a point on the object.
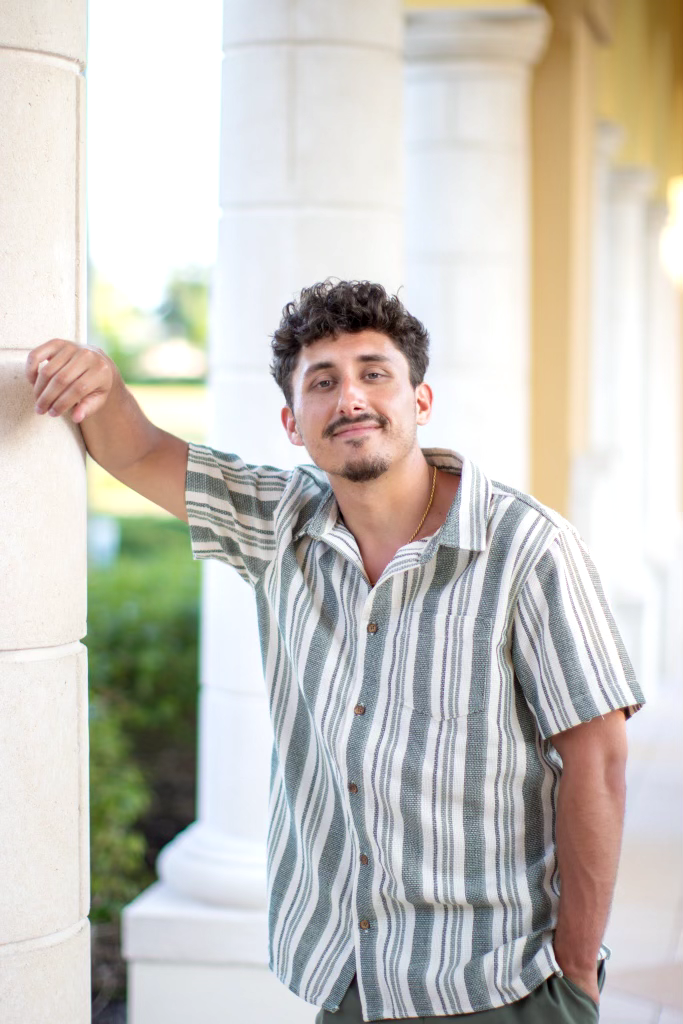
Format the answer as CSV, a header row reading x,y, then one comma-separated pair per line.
x,y
516,169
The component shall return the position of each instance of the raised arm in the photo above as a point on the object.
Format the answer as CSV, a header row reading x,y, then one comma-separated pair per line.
x,y
68,378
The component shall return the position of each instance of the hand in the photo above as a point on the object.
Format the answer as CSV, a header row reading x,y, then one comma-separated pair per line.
x,y
66,376
585,979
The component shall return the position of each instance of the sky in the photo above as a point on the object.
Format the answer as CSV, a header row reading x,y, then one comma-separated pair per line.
x,y
153,124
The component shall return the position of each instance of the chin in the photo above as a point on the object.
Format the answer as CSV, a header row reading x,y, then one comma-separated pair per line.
x,y
369,467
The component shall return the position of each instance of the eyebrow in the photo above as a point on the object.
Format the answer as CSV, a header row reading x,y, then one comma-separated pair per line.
x,y
370,357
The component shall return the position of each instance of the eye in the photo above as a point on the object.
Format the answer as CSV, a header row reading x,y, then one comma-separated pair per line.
x,y
321,383
374,373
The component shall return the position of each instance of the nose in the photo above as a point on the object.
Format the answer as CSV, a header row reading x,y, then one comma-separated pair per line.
x,y
351,397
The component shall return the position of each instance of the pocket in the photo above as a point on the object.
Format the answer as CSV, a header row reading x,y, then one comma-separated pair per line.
x,y
580,994
451,665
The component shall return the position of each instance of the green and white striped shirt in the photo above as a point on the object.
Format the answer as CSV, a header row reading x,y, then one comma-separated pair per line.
x,y
414,785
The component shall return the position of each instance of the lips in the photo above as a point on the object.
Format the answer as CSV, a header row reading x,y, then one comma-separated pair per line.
x,y
350,431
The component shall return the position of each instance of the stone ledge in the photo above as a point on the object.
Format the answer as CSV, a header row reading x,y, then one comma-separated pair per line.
x,y
161,926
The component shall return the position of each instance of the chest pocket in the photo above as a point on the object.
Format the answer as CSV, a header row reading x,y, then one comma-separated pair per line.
x,y
451,667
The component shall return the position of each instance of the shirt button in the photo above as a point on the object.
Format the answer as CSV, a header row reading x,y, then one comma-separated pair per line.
x,y
353,788
359,709
363,858
364,924
372,627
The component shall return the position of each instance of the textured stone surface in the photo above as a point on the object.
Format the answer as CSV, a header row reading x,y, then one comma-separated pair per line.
x,y
42,519
43,805
42,257
47,980
242,723
164,926
311,187
484,415
36,26
352,22
468,225
292,146
292,248
177,993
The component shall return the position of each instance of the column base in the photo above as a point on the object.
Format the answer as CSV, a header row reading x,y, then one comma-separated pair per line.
x,y
191,961
204,864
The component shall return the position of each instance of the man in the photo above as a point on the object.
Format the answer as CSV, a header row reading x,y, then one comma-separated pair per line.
x,y
447,687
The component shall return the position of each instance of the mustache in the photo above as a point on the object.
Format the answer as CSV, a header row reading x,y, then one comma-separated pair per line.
x,y
344,421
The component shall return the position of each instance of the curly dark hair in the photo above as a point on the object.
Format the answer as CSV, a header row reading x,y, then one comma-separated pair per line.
x,y
328,309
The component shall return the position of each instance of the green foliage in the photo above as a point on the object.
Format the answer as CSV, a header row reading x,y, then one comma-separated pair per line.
x,y
142,653
116,326
142,633
185,309
119,796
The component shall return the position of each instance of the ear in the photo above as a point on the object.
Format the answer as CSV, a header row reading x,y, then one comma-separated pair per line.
x,y
423,403
291,429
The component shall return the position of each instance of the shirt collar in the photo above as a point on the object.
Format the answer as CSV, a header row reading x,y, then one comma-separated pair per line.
x,y
465,525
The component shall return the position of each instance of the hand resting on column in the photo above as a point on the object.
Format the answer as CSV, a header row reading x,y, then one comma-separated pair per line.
x,y
69,378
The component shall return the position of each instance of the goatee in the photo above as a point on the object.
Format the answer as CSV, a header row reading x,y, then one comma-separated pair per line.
x,y
365,469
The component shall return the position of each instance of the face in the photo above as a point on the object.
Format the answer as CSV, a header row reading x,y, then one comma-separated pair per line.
x,y
355,409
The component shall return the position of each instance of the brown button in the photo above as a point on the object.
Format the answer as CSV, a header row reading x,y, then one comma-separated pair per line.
x,y
359,709
372,627
353,788
364,924
363,858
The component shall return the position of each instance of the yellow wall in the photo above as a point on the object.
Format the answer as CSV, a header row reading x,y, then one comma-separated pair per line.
x,y
615,60
562,183
640,85
433,4
623,63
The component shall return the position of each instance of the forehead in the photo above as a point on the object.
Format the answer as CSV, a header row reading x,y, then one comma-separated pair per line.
x,y
348,348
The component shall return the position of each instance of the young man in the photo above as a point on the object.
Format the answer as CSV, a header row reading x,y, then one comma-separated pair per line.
x,y
447,687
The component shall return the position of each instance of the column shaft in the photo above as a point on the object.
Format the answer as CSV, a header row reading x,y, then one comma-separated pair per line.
x,y
311,187
632,583
44,864
468,223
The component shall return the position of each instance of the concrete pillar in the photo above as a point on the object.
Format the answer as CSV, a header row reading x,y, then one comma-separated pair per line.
x,y
311,187
44,895
664,451
592,470
634,592
468,223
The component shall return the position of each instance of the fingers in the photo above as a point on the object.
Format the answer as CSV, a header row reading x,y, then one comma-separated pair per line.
x,y
46,351
55,376
65,391
64,375
89,405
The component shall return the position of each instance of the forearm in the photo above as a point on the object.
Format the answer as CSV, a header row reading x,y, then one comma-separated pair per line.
x,y
119,434
590,818
139,454
70,378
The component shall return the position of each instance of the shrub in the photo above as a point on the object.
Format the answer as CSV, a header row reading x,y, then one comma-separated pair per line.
x,y
142,641
119,796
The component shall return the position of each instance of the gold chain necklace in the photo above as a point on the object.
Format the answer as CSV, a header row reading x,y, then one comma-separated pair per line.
x,y
431,499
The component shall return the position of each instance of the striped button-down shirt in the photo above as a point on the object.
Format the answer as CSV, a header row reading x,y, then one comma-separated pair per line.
x,y
414,782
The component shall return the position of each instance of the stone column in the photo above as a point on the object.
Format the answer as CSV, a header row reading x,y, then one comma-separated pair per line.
x,y
44,893
468,223
592,471
664,451
311,187
634,594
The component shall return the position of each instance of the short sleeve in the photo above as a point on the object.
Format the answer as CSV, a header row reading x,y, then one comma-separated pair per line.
x,y
568,656
231,509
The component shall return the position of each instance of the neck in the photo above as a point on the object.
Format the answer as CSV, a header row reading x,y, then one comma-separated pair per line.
x,y
386,510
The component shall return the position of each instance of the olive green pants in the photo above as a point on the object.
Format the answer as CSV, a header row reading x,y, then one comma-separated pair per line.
x,y
556,1001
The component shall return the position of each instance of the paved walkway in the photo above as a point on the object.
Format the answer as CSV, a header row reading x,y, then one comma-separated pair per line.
x,y
645,973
